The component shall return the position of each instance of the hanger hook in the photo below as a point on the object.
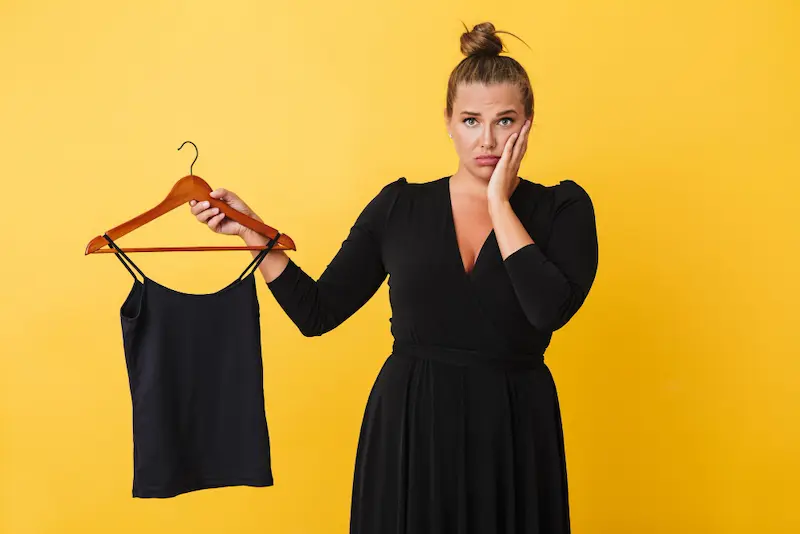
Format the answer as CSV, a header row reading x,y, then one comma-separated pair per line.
x,y
197,153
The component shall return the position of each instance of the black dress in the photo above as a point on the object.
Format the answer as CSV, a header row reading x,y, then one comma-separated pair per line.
x,y
462,429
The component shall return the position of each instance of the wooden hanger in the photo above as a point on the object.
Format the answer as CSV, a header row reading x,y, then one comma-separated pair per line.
x,y
188,188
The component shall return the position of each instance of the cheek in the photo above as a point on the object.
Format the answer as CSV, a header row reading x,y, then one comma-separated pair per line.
x,y
467,140
463,148
471,135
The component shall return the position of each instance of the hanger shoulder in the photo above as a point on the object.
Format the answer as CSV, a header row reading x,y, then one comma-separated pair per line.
x,y
188,188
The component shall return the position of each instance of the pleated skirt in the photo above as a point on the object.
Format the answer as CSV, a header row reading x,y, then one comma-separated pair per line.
x,y
456,441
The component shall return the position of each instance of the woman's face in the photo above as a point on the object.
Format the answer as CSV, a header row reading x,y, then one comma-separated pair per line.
x,y
484,117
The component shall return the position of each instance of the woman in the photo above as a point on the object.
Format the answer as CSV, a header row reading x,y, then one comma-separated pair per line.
x,y
462,429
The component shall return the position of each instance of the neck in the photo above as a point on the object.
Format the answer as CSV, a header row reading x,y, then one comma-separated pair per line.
x,y
469,183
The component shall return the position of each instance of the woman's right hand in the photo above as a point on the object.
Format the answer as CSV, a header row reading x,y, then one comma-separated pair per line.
x,y
215,219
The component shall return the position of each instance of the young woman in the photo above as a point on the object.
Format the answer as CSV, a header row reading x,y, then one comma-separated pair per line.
x,y
462,430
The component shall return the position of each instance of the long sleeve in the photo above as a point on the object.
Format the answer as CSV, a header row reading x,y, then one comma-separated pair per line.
x,y
350,279
551,289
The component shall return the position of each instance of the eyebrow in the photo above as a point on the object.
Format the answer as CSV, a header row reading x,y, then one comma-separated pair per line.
x,y
478,114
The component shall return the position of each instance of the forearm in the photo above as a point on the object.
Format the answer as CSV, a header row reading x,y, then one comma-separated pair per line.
x,y
550,288
349,280
545,295
319,306
509,231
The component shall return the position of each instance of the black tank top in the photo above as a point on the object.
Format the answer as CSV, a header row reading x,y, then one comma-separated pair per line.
x,y
196,382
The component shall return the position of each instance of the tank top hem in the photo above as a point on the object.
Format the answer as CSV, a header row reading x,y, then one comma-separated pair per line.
x,y
201,484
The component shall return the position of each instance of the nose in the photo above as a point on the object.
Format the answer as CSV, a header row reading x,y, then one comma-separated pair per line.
x,y
488,137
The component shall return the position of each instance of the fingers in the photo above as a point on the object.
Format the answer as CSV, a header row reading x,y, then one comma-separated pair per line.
x,y
220,194
214,221
212,216
521,142
508,148
205,215
223,194
527,136
198,207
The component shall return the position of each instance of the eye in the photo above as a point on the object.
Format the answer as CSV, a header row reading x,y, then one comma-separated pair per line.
x,y
511,121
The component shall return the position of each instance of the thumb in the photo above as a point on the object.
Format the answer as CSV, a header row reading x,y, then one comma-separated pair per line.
x,y
223,194
230,198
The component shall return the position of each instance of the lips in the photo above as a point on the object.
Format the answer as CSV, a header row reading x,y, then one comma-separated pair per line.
x,y
487,159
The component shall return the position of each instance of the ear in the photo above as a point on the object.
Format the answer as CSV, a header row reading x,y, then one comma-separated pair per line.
x,y
447,123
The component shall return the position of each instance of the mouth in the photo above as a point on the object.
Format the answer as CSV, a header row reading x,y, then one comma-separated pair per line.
x,y
487,160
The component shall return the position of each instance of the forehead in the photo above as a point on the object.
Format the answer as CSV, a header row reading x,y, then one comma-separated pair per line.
x,y
487,98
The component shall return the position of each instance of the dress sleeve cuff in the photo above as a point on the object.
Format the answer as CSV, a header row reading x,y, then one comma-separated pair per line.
x,y
523,260
285,282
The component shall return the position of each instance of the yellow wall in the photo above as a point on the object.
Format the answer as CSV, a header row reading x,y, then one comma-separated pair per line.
x,y
678,380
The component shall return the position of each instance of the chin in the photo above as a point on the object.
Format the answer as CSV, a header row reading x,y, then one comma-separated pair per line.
x,y
483,171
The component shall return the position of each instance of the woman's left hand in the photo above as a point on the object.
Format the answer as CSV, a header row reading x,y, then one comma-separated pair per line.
x,y
504,178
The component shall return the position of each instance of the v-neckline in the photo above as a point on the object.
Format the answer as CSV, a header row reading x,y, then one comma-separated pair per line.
x,y
454,235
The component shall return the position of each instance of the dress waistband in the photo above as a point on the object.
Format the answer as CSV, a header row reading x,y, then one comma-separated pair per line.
x,y
498,359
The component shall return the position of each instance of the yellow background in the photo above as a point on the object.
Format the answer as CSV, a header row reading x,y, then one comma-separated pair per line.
x,y
678,379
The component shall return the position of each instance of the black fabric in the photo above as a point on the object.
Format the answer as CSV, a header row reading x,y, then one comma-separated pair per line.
x,y
196,382
462,429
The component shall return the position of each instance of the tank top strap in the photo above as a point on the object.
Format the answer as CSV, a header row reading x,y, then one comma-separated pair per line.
x,y
260,256
121,255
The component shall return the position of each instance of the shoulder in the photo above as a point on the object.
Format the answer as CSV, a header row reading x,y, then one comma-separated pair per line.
x,y
403,185
395,185
380,206
388,193
568,194
402,199
391,192
569,190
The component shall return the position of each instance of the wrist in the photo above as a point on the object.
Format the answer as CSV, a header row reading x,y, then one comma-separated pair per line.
x,y
251,237
497,206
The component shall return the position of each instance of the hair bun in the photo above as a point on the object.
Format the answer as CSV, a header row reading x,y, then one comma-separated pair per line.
x,y
481,41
